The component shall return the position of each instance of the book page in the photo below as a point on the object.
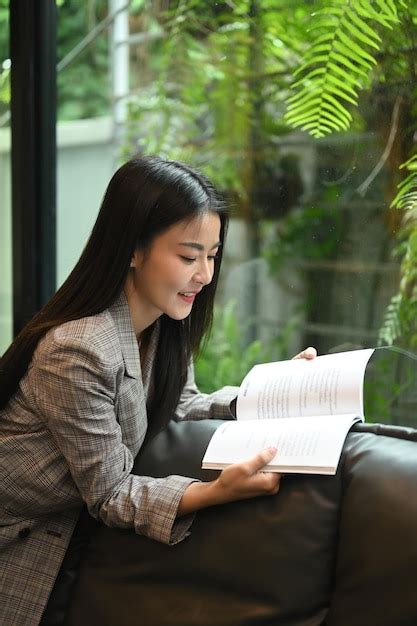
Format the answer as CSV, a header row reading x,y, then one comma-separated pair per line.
x,y
303,445
331,384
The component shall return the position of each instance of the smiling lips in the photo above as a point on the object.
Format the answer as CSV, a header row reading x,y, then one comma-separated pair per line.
x,y
188,296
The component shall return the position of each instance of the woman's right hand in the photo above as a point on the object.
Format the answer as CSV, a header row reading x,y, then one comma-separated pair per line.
x,y
237,482
246,480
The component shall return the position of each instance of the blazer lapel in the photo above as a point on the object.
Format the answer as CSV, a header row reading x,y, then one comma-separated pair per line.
x,y
120,313
131,404
147,364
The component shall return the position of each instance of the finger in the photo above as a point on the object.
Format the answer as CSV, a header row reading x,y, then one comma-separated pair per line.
x,y
272,481
308,353
267,482
260,460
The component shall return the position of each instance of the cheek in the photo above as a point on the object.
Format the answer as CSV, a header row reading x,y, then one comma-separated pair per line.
x,y
173,275
179,271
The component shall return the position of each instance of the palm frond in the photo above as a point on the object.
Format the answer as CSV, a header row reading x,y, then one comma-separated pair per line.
x,y
338,62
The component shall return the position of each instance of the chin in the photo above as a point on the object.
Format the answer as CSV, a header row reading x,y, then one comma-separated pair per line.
x,y
178,316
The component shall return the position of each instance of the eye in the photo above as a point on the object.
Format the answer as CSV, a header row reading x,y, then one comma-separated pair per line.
x,y
213,257
188,259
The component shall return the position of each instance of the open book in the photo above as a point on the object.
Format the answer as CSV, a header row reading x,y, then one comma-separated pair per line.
x,y
304,408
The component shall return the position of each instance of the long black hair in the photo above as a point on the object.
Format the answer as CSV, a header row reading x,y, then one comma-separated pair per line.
x,y
146,196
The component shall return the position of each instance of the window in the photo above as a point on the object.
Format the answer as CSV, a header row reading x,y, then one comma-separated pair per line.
x,y
317,252
5,199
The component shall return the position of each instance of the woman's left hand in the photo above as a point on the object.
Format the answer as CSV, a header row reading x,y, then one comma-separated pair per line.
x,y
309,353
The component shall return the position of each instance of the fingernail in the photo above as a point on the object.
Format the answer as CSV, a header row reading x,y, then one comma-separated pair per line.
x,y
272,449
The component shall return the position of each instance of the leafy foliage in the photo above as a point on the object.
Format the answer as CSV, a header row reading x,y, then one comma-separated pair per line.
x,y
225,359
337,64
5,87
209,88
406,198
83,86
308,233
347,53
4,55
400,322
210,82
389,387
4,30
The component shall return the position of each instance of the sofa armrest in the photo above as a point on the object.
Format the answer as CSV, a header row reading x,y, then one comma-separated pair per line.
x,y
376,568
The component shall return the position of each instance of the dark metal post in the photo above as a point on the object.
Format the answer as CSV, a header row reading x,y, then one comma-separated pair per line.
x,y
33,125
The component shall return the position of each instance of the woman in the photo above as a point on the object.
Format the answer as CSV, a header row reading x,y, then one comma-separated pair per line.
x,y
105,363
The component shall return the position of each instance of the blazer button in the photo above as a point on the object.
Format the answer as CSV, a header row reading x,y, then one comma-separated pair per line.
x,y
23,533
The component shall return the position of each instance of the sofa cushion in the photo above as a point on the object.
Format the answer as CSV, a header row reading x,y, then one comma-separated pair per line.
x,y
265,561
376,573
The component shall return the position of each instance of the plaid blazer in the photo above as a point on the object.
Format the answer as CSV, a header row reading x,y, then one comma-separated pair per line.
x,y
70,435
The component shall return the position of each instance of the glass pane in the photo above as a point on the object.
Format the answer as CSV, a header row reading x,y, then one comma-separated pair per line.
x,y
315,253
310,248
6,321
85,159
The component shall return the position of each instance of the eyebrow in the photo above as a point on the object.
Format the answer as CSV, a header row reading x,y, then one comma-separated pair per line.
x,y
199,246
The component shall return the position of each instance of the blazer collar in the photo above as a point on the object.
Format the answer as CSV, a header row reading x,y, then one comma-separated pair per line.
x,y
120,313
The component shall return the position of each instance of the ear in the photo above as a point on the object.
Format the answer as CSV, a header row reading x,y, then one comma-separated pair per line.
x,y
137,259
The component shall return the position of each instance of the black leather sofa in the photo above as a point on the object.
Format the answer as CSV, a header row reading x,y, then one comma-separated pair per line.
x,y
334,551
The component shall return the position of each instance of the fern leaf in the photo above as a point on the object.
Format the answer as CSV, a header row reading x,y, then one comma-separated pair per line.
x,y
343,87
335,12
340,58
360,35
401,314
388,7
406,197
355,69
387,11
349,51
391,327
356,48
329,119
345,114
316,72
302,108
411,164
317,48
311,62
306,95
363,28
339,71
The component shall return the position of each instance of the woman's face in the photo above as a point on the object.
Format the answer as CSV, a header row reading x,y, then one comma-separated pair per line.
x,y
171,273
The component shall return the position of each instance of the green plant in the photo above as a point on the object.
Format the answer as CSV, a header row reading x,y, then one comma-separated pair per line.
x,y
347,54
225,359
4,56
338,63
309,233
5,87
400,321
389,387
82,86
209,88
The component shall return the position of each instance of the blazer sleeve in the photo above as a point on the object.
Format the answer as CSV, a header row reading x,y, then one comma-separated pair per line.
x,y
75,393
194,405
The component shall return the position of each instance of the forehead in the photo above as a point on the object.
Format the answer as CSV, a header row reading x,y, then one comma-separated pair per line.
x,y
203,229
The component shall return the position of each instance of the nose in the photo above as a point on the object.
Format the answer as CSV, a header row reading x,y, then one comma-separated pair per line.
x,y
204,273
